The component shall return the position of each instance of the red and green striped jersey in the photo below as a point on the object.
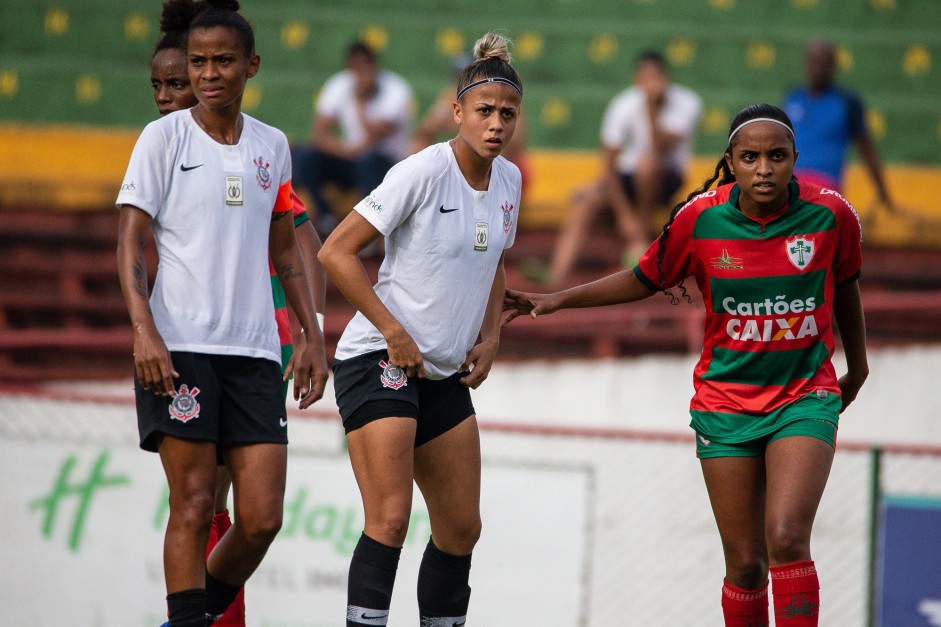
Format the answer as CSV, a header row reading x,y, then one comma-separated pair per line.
x,y
767,286
277,290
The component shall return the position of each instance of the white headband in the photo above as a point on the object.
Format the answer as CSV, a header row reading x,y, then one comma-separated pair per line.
x,y
743,124
484,81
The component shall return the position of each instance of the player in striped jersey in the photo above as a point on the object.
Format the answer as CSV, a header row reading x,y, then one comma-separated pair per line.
x,y
775,260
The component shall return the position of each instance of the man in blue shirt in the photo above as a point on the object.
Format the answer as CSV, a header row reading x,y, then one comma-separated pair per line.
x,y
827,119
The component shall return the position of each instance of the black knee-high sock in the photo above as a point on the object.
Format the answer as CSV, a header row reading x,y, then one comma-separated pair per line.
x,y
219,596
369,588
187,608
443,592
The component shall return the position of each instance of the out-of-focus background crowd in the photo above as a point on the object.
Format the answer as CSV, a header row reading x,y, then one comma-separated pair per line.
x,y
74,95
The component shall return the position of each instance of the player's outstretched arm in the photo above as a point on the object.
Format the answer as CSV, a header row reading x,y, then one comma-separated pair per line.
x,y
614,289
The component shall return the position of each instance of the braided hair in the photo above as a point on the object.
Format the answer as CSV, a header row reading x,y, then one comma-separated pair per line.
x,y
720,176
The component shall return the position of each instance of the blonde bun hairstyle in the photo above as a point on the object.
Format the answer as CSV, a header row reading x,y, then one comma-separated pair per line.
x,y
492,63
493,46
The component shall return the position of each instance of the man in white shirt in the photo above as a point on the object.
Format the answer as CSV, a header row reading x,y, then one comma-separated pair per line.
x,y
646,136
361,129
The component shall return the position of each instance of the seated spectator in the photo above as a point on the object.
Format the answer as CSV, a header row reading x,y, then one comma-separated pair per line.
x,y
361,129
647,136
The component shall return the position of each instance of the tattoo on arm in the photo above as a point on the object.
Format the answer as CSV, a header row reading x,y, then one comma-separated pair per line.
x,y
287,272
280,216
140,276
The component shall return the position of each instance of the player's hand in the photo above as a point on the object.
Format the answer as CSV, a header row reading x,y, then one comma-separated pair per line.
x,y
526,303
849,389
478,363
152,363
309,367
404,353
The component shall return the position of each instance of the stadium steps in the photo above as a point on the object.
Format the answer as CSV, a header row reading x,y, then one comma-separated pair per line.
x,y
62,315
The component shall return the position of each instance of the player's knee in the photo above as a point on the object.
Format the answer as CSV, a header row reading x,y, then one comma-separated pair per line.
x,y
391,528
192,509
261,527
460,537
788,542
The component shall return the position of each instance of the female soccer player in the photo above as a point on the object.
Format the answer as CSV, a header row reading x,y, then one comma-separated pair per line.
x,y
406,361
211,181
774,258
172,92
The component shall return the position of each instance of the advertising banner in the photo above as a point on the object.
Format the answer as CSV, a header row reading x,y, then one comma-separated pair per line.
x,y
82,530
909,585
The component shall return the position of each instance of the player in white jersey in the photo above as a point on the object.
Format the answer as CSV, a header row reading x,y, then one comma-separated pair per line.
x,y
214,184
425,334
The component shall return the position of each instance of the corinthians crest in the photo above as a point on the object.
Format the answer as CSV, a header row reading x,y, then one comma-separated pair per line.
x,y
507,220
263,176
800,250
392,376
184,406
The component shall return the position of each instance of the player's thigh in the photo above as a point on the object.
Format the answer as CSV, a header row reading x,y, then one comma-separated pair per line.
x,y
736,489
447,471
798,469
190,467
259,473
381,454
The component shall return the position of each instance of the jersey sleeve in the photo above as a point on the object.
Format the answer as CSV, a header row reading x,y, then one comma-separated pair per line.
x,y
517,181
145,181
848,261
677,262
285,200
401,192
300,210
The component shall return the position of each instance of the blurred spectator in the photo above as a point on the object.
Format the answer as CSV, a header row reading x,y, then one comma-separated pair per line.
x,y
361,129
646,136
827,119
438,123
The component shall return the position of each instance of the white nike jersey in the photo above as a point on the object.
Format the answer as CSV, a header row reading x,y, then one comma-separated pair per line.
x,y
443,241
211,206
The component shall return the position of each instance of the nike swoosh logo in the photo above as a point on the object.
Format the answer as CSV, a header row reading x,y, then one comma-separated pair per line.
x,y
283,422
187,168
443,210
365,617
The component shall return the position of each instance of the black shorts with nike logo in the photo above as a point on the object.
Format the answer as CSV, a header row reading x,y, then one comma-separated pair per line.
x,y
227,399
368,388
